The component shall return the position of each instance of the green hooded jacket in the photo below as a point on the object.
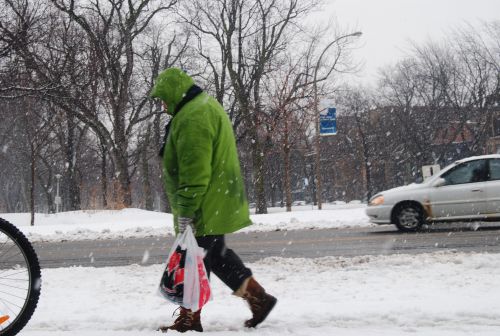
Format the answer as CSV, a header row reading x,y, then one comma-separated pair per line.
x,y
201,169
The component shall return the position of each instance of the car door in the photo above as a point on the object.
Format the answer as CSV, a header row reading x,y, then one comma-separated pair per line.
x,y
493,187
463,194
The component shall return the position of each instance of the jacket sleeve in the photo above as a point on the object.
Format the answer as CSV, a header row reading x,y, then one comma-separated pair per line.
x,y
194,148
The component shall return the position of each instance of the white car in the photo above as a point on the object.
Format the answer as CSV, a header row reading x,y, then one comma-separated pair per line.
x,y
466,190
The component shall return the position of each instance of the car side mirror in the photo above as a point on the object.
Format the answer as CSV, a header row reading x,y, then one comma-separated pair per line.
x,y
439,182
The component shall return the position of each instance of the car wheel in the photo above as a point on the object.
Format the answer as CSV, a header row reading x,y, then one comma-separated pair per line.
x,y
409,218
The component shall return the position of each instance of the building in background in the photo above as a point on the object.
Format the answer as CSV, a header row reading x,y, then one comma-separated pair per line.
x,y
493,144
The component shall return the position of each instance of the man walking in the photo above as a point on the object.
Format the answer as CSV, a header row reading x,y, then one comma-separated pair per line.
x,y
204,186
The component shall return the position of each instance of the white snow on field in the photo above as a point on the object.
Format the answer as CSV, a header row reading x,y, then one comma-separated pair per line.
x,y
445,294
130,223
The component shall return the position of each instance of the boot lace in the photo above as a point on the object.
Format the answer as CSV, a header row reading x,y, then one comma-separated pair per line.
x,y
184,318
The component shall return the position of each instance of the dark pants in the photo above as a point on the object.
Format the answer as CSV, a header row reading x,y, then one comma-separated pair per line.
x,y
221,260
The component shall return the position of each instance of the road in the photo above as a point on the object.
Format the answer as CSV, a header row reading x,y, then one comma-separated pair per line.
x,y
349,242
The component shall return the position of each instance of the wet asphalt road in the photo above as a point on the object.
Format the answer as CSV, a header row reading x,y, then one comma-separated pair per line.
x,y
313,243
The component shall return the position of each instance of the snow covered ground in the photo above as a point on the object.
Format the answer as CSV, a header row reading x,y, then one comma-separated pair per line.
x,y
129,223
445,294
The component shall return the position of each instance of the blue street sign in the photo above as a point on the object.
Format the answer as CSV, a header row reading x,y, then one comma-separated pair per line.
x,y
328,122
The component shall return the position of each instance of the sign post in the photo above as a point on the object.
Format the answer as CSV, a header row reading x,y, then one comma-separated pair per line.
x,y
328,122
58,199
428,171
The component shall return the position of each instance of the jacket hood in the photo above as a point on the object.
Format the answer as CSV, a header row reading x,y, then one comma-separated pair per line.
x,y
171,85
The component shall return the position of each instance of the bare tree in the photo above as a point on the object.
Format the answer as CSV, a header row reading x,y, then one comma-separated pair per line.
x,y
289,92
85,58
249,36
438,104
112,29
479,61
37,123
355,102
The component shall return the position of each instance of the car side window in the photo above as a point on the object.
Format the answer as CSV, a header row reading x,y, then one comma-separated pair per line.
x,y
468,172
495,169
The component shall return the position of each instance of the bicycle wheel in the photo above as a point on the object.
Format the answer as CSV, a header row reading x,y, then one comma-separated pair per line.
x,y
20,279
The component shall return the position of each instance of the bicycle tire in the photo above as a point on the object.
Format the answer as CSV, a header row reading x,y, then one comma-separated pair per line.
x,y
33,286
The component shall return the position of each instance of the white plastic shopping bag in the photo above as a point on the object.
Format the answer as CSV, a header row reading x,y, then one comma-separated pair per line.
x,y
185,281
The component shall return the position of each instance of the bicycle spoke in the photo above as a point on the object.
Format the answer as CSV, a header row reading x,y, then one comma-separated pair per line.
x,y
14,287
8,304
25,271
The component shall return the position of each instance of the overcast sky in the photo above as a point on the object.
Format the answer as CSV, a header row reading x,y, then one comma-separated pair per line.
x,y
387,25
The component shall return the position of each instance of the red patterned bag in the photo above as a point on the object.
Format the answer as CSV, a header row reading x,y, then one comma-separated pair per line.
x,y
185,281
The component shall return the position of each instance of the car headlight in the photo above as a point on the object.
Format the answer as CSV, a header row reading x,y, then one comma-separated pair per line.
x,y
378,200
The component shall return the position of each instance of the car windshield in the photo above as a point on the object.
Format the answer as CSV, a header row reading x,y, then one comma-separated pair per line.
x,y
467,172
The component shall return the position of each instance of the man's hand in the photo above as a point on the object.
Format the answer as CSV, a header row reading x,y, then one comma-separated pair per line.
x,y
183,223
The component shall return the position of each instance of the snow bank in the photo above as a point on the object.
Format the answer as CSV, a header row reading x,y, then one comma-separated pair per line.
x,y
90,224
445,294
136,223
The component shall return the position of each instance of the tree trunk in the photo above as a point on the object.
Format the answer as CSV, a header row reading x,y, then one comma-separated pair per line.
x,y
73,187
312,184
146,183
272,195
286,152
120,155
258,174
51,207
164,200
124,183
368,178
104,179
32,188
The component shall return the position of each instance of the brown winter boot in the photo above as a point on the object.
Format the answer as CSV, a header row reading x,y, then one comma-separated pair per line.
x,y
186,321
259,301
